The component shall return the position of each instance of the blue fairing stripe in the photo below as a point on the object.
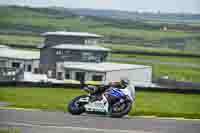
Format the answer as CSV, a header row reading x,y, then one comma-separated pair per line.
x,y
116,92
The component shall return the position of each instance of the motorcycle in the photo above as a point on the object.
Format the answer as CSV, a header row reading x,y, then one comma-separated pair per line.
x,y
113,102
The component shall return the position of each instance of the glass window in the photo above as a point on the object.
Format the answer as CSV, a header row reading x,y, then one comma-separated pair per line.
x,y
36,70
67,74
2,63
16,64
59,76
90,57
91,41
97,77
86,56
80,76
29,68
59,52
67,52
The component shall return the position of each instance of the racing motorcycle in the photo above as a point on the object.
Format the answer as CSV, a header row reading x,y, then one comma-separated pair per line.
x,y
113,101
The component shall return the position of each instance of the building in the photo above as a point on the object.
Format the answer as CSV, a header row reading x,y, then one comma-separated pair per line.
x,y
69,46
68,56
75,56
14,62
104,71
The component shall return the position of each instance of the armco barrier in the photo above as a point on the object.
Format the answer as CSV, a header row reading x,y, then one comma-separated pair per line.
x,y
76,86
37,84
178,84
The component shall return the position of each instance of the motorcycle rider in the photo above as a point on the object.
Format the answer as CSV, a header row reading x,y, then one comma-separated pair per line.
x,y
96,91
115,99
123,83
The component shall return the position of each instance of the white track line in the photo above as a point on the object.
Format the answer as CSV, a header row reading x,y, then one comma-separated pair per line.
x,y
70,128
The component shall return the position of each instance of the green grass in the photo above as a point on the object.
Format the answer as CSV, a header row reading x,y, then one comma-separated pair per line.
x,y
89,25
20,40
147,103
167,104
177,73
11,17
9,130
15,19
133,48
159,58
173,72
148,35
35,40
54,99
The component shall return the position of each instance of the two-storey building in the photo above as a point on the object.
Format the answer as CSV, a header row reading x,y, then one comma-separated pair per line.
x,y
76,55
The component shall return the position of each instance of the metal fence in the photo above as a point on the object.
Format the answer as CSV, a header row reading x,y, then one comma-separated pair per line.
x,y
77,86
178,84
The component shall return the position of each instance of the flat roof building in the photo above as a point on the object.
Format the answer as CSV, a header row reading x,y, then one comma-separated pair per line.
x,y
14,62
72,56
10,53
104,72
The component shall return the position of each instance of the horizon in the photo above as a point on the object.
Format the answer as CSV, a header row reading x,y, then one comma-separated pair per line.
x,y
155,6
140,12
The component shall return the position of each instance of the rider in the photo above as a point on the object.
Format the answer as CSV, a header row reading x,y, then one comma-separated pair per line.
x,y
96,92
123,83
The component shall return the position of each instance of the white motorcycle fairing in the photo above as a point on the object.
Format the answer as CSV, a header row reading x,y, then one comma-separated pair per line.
x,y
98,106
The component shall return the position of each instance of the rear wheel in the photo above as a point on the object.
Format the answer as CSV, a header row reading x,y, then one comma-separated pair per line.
x,y
76,108
120,109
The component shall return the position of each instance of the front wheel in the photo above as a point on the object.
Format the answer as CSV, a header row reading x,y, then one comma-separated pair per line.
x,y
76,108
119,110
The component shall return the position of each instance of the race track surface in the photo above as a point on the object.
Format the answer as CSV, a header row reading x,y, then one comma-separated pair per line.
x,y
60,122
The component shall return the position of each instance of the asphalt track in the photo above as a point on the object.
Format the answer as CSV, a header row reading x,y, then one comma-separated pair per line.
x,y
59,122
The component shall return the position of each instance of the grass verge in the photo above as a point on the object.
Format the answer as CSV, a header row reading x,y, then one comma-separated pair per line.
x,y
9,131
148,50
147,103
21,40
189,60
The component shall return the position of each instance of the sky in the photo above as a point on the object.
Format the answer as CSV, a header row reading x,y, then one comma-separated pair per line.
x,y
169,6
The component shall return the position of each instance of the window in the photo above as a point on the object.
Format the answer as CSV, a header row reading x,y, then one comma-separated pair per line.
x,y
62,52
90,57
59,52
80,76
97,77
2,63
29,68
67,52
24,67
16,64
60,76
36,70
86,56
91,41
49,73
67,74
